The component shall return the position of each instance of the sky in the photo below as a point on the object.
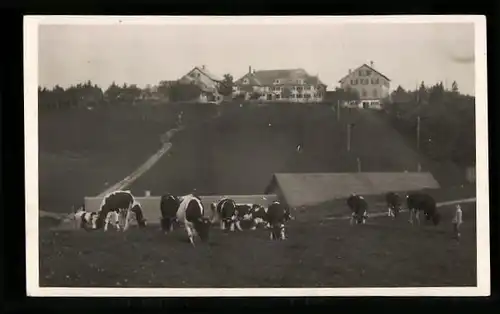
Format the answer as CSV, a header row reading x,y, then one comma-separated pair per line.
x,y
147,54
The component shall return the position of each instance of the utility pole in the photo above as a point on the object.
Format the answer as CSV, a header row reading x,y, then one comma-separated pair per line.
x,y
359,164
418,128
349,128
338,110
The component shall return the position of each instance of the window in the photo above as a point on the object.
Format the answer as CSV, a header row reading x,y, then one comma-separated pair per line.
x,y
368,72
299,96
375,81
375,93
277,88
360,73
307,96
307,87
354,82
245,81
278,96
364,81
363,92
276,81
300,81
299,88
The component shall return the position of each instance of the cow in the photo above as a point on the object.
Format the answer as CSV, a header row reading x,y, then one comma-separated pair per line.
x,y
277,215
169,205
418,201
191,213
226,211
86,220
359,207
124,204
258,214
393,204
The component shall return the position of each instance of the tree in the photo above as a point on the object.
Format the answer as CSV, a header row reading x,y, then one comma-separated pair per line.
x,y
226,86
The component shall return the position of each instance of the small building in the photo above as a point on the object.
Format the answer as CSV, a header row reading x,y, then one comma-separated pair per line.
x,y
207,82
371,85
294,85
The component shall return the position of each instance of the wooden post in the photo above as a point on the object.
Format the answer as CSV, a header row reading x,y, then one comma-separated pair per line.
x,y
349,137
338,110
359,164
418,133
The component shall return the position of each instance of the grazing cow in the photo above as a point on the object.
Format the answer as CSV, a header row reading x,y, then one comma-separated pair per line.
x,y
226,211
419,201
124,204
191,214
258,214
276,217
86,220
393,204
359,207
168,206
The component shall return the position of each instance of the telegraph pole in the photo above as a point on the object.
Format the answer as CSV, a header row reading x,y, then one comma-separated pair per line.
x,y
338,110
418,128
349,130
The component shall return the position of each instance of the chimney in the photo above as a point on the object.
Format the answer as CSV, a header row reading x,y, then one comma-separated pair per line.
x,y
371,64
203,67
249,69
253,71
350,71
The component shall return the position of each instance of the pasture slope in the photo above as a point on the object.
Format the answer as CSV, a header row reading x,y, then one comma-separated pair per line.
x,y
237,154
82,152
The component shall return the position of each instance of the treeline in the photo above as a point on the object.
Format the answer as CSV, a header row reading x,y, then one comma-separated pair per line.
x,y
90,95
447,121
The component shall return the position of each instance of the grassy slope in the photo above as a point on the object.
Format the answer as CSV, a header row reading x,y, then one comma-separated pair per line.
x,y
318,253
239,153
82,152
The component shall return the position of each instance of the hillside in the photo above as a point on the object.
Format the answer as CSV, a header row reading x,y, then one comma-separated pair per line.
x,y
239,152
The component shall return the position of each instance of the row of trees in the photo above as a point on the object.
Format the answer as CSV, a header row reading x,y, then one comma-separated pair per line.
x,y
441,122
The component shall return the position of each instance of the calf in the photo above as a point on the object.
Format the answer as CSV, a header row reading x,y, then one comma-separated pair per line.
x,y
86,220
124,204
359,207
276,217
393,204
169,206
226,211
418,201
191,214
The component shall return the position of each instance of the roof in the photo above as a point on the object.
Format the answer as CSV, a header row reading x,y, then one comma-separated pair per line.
x,y
299,189
286,77
207,82
369,67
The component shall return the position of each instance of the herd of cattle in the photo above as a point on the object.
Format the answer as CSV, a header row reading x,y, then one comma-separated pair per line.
x,y
119,208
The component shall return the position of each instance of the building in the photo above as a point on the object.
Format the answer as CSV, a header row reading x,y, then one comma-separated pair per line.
x,y
206,81
279,85
371,85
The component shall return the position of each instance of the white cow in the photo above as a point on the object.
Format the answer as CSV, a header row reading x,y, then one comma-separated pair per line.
x,y
191,213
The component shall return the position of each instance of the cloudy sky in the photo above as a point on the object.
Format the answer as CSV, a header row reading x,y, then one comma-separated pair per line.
x,y
146,54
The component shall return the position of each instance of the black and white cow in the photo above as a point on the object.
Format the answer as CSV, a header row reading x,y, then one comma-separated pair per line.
x,y
418,201
277,215
359,207
125,205
191,213
225,209
169,206
393,204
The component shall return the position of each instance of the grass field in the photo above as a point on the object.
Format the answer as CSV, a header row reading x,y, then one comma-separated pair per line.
x,y
318,253
82,152
239,152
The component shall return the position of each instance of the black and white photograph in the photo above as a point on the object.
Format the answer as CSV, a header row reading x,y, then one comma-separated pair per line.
x,y
256,156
